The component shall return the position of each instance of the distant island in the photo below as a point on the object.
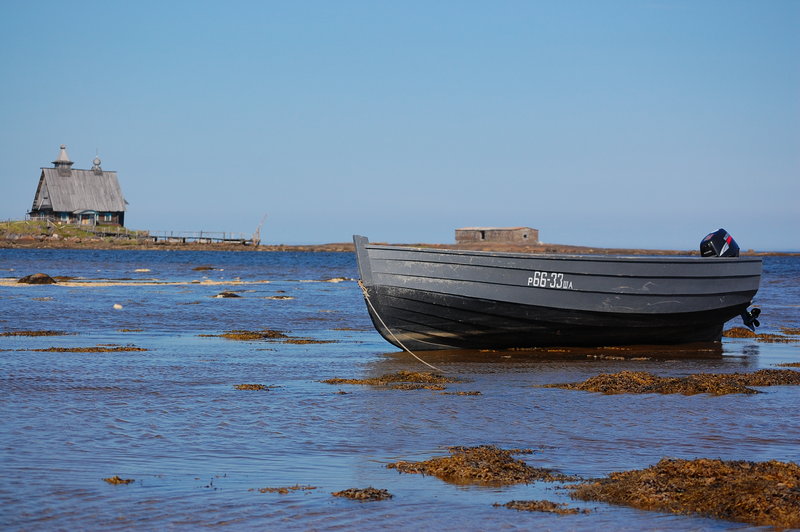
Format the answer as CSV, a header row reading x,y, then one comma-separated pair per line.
x,y
38,234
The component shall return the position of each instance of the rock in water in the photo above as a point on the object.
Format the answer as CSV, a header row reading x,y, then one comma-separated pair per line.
x,y
227,294
37,278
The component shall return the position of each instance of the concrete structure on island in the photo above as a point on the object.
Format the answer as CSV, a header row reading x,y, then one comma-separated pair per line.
x,y
510,235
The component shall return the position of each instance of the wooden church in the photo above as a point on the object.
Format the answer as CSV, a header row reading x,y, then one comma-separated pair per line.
x,y
73,196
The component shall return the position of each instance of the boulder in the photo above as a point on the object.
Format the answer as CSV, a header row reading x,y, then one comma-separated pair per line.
x,y
227,294
37,278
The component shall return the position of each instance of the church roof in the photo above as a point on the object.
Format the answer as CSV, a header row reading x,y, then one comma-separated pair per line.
x,y
79,190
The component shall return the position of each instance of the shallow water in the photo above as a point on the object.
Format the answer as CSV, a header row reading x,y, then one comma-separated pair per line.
x,y
199,450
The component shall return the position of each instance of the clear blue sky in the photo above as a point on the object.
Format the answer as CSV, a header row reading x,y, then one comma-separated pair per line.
x,y
602,123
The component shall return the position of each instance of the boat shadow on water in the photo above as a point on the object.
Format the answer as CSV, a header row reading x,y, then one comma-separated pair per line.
x,y
698,351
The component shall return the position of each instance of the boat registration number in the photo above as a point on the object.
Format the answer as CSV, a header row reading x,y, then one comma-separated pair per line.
x,y
549,280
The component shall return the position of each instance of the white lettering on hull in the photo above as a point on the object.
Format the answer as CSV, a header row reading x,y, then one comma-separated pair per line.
x,y
549,280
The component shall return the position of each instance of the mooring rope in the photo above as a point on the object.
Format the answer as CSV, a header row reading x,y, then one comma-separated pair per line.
x,y
374,311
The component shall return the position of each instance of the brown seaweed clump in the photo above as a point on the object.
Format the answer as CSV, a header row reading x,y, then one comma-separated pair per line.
x,y
541,506
266,334
285,490
364,494
402,380
253,387
417,386
640,382
98,349
776,339
117,480
305,341
34,333
484,465
741,332
269,334
760,493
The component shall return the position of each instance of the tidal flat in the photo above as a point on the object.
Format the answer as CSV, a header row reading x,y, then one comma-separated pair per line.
x,y
123,404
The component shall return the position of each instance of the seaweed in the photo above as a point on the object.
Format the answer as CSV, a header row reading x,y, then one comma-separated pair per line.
x,y
97,349
117,480
541,506
483,465
741,332
304,341
34,333
640,382
266,334
398,377
285,490
364,494
253,387
759,493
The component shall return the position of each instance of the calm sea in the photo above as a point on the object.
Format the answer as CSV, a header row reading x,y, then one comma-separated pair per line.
x,y
199,450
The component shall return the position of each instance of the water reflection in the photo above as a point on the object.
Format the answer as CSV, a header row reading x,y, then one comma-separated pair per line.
x,y
706,350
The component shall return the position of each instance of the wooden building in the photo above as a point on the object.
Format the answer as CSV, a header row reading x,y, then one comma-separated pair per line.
x,y
510,235
85,197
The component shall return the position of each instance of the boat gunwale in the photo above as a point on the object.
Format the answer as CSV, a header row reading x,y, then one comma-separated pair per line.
x,y
688,259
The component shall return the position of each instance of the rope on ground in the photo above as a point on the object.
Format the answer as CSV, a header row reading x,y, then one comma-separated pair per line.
x,y
375,312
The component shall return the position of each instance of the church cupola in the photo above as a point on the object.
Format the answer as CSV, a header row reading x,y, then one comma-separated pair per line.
x,y
62,163
96,165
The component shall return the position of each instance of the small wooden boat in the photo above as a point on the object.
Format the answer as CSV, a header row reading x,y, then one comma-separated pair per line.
x,y
425,299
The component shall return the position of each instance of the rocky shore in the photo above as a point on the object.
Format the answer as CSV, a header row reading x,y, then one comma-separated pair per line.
x,y
39,236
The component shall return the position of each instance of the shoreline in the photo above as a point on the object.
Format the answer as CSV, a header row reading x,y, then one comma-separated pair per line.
x,y
44,235
339,247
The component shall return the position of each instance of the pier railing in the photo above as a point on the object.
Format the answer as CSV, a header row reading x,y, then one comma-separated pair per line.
x,y
199,237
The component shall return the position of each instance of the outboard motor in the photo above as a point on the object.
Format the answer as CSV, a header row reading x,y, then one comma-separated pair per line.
x,y
719,244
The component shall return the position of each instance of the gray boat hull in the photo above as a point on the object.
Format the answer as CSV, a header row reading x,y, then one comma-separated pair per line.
x,y
426,299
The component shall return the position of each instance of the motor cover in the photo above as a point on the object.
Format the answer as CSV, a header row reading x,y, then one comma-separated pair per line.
x,y
719,244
